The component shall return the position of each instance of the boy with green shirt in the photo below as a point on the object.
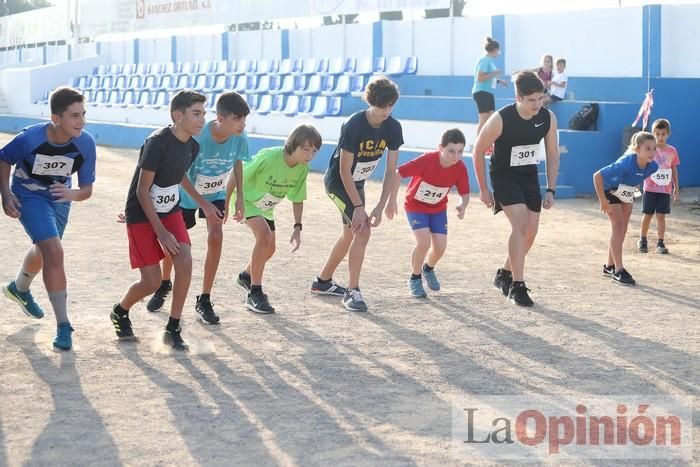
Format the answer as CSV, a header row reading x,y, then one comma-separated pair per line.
x,y
273,174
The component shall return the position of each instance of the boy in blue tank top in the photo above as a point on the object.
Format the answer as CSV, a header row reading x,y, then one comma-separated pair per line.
x,y
46,156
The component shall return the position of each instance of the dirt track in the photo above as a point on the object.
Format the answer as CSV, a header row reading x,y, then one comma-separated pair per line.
x,y
315,384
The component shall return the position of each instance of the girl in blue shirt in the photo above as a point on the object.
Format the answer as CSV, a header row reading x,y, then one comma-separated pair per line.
x,y
614,185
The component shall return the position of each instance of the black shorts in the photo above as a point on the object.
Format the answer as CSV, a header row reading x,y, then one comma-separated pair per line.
x,y
659,203
612,198
189,214
485,101
270,223
342,202
512,188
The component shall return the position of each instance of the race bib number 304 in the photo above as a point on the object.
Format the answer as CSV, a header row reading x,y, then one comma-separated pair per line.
x,y
661,177
430,194
208,185
524,155
624,193
363,170
165,199
56,166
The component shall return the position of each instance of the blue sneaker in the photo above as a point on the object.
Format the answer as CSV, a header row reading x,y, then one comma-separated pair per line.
x,y
431,279
63,339
24,300
416,287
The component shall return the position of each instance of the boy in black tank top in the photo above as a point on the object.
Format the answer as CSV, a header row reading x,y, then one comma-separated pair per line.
x,y
516,131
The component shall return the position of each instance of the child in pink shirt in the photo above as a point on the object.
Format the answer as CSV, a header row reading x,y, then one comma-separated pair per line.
x,y
660,187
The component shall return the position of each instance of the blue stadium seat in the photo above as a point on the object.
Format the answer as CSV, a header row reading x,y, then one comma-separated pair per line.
x,y
316,85
265,66
291,107
135,82
357,85
128,98
44,99
171,68
398,66
114,69
290,83
120,82
253,100
411,65
219,83
202,82
220,67
326,106
180,82
244,82
306,105
100,71
189,68
243,66
379,65
311,66
265,84
364,66
155,69
106,82
264,105
231,66
205,66
167,82
162,99
140,69
288,66
88,94
341,88
98,98
211,101
337,66
128,69
144,99
112,98
74,81
82,82
152,82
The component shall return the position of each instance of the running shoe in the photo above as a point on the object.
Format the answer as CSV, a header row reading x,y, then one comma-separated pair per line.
x,y
122,324
608,270
353,301
416,288
623,278
431,279
503,280
327,288
205,311
518,294
173,338
661,248
244,280
158,299
24,300
258,303
642,246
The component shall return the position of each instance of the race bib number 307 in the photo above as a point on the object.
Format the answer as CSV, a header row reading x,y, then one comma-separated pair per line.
x,y
165,199
56,166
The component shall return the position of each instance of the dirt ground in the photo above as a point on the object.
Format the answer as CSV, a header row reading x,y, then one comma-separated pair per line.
x,y
315,384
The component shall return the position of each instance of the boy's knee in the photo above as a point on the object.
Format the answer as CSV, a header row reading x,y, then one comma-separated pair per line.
x,y
362,235
151,283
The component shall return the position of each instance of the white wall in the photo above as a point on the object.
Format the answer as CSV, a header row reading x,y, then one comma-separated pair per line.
x,y
245,44
56,53
398,38
327,41
680,35
604,43
300,43
198,48
155,50
271,44
358,40
118,51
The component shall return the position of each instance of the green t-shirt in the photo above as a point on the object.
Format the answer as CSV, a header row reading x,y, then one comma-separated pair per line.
x,y
267,180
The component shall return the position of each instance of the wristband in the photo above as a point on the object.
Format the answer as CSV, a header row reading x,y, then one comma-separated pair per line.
x,y
298,224
358,205
551,190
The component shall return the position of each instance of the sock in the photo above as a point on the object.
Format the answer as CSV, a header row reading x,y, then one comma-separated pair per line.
x,y
505,272
173,324
415,276
643,238
166,285
205,297
661,240
323,281
120,311
24,279
427,268
256,289
59,302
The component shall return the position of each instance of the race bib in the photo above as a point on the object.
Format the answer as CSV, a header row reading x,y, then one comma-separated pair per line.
x,y
661,177
267,202
165,199
430,194
524,155
363,170
56,166
208,185
624,193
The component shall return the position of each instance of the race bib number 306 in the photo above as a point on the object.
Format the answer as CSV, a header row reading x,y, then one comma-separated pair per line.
x,y
208,185
56,166
524,155
165,199
430,194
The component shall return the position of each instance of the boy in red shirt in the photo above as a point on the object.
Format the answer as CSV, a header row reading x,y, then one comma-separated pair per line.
x,y
434,174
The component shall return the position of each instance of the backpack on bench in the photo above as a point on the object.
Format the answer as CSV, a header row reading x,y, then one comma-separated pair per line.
x,y
585,119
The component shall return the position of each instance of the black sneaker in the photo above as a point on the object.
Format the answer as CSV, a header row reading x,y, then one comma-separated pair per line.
x,y
158,299
244,280
122,324
503,280
642,246
661,248
623,278
608,270
205,311
518,294
172,338
258,303
327,288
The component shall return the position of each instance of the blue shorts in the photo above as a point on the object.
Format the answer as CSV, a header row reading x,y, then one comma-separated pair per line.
x,y
437,222
659,203
42,218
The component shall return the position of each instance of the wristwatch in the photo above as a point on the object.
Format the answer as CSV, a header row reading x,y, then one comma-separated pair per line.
x,y
297,225
552,191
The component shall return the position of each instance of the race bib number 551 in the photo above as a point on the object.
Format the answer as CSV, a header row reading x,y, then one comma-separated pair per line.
x,y
661,177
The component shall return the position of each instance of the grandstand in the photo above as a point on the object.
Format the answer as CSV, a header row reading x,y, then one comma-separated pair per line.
x,y
318,74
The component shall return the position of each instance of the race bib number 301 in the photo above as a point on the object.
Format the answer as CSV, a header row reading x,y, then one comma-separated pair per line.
x,y
624,193
363,170
524,155
56,166
430,194
661,177
165,199
208,185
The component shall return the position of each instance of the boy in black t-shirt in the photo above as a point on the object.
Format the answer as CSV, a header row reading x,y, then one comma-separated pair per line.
x,y
153,217
363,140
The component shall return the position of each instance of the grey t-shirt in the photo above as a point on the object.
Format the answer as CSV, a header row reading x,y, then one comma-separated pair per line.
x,y
170,159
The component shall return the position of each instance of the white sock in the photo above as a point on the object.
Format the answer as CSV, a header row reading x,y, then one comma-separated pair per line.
x,y
24,279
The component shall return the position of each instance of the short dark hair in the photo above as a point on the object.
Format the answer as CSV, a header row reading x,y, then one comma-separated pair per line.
x,y
62,98
232,103
527,82
562,61
661,124
491,45
453,135
301,135
381,92
184,99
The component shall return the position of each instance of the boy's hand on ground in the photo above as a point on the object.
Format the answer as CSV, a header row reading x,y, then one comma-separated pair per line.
x,y
169,242
375,218
295,239
11,205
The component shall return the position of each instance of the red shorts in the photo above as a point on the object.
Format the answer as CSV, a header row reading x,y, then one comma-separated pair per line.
x,y
144,247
